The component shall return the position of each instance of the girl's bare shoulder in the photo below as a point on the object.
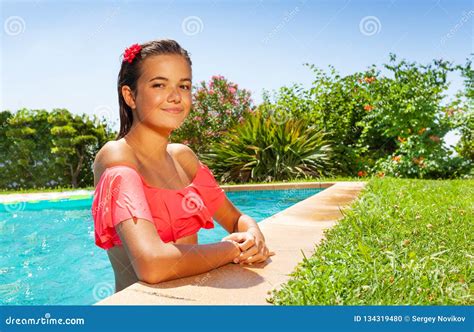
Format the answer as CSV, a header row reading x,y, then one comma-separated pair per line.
x,y
185,156
113,153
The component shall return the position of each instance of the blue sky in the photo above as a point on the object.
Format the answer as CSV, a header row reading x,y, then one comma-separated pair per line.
x,y
66,54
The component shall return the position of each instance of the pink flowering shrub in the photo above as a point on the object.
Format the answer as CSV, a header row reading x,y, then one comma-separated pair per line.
x,y
218,105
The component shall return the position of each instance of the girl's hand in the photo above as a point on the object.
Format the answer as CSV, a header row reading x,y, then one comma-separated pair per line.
x,y
252,246
237,247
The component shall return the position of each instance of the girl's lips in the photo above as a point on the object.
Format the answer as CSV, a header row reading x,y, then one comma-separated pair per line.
x,y
173,110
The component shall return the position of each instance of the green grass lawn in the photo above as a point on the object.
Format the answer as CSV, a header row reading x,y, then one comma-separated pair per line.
x,y
404,242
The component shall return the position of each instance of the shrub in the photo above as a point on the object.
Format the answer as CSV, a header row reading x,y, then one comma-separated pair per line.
x,y
417,158
369,117
217,106
260,149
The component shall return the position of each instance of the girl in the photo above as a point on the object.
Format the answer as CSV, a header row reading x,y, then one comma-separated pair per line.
x,y
151,196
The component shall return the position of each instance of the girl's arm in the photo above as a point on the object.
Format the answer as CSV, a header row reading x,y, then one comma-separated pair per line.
x,y
155,261
232,220
246,223
245,231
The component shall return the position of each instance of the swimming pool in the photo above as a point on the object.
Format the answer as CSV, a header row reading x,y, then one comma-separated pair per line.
x,y
49,255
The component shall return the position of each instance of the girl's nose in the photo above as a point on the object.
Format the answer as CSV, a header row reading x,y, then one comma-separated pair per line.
x,y
174,96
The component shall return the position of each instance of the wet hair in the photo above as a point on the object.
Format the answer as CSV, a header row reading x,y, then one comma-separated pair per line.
x,y
130,73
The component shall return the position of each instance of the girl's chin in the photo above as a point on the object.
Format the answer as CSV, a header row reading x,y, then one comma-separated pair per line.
x,y
168,125
158,127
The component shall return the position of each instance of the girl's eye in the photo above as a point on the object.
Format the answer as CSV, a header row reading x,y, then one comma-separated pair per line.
x,y
185,87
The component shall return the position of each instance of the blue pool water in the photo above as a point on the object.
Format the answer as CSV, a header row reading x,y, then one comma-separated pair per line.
x,y
49,255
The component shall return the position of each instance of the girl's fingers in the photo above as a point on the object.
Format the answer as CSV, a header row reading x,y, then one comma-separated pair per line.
x,y
248,243
237,237
254,259
246,254
259,257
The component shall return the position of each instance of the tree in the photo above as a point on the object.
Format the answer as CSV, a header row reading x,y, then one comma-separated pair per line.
x,y
26,158
42,149
75,140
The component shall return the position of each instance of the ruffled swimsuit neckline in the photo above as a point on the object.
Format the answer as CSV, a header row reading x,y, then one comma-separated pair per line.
x,y
200,169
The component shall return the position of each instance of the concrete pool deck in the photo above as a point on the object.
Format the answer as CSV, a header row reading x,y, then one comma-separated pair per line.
x,y
288,233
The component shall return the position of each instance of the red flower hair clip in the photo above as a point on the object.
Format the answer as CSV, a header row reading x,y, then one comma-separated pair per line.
x,y
131,52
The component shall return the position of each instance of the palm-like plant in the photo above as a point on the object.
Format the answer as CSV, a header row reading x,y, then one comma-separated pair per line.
x,y
262,148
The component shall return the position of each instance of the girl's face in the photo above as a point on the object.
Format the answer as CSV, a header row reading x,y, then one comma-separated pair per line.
x,y
163,98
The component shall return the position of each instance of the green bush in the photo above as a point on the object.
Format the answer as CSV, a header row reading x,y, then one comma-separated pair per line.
x,y
370,117
262,149
417,158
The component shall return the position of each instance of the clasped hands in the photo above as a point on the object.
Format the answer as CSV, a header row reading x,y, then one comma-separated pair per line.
x,y
252,247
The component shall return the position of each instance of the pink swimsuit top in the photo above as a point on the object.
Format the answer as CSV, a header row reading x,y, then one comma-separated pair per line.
x,y
122,194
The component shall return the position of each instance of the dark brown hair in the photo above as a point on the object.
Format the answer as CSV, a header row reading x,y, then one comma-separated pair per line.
x,y
130,73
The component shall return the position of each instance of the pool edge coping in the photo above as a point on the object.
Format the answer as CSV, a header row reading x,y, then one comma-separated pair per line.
x,y
78,194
